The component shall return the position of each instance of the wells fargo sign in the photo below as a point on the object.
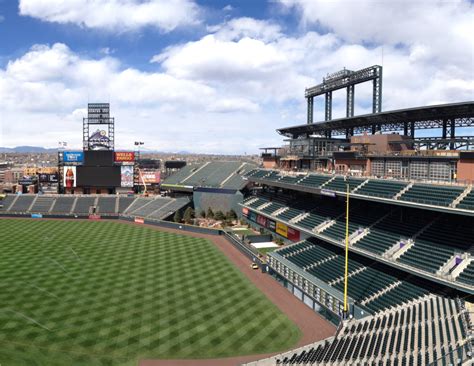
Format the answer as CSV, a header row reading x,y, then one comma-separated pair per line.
x,y
124,156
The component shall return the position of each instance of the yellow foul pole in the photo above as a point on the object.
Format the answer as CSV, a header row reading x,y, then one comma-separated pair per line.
x,y
347,253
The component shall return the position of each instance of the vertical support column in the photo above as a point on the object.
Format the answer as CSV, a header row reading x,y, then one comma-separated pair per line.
x,y
405,128
445,129
350,101
310,110
377,91
453,134
412,130
374,129
328,107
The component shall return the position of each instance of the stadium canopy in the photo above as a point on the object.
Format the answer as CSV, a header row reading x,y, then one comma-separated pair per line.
x,y
444,116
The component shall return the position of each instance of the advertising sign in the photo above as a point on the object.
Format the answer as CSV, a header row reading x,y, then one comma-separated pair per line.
x,y
94,217
36,216
26,181
70,176
252,216
271,225
73,156
327,192
124,157
126,176
282,229
245,211
262,220
139,220
293,235
151,176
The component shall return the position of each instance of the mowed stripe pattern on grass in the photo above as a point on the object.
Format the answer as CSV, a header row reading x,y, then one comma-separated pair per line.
x,y
98,293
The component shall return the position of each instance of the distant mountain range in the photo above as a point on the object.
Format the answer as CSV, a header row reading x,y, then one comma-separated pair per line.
x,y
26,149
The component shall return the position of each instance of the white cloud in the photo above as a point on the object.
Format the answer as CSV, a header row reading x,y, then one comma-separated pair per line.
x,y
229,90
117,15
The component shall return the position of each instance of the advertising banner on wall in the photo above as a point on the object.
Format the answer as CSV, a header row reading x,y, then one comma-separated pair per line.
x,y
245,211
70,176
126,176
73,156
252,216
262,220
124,157
293,235
151,176
271,225
282,229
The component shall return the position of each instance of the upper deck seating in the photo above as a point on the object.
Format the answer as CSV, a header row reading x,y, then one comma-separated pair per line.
x,y
432,194
381,188
339,184
314,180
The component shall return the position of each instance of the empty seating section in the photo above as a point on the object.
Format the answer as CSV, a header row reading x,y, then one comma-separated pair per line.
x,y
404,292
360,218
339,184
139,202
290,179
333,269
259,173
6,202
432,194
366,283
258,202
169,209
273,175
428,332
83,205
272,207
152,205
389,231
106,205
124,202
313,180
215,173
381,188
22,204
63,205
289,214
467,203
182,174
312,255
285,251
436,244
42,204
467,276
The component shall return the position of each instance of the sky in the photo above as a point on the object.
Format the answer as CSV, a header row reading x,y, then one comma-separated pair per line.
x,y
218,76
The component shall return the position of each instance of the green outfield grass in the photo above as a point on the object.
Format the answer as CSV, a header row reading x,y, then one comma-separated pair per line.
x,y
109,293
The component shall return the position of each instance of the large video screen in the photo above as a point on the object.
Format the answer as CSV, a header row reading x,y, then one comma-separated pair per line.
x,y
91,176
98,158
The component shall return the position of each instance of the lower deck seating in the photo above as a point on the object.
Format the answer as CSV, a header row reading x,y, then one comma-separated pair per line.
x,y
42,204
22,203
84,204
125,202
6,202
428,332
63,205
106,205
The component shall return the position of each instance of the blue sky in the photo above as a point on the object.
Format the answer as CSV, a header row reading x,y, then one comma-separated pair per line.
x,y
217,76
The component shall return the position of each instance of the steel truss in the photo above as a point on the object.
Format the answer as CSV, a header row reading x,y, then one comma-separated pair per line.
x,y
346,79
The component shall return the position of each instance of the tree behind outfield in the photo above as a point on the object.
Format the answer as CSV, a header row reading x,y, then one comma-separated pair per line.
x,y
219,216
231,215
210,213
202,214
188,215
177,216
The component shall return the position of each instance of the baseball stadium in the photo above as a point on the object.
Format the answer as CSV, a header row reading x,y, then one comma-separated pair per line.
x,y
371,217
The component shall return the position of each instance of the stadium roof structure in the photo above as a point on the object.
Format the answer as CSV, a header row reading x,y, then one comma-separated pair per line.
x,y
446,117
